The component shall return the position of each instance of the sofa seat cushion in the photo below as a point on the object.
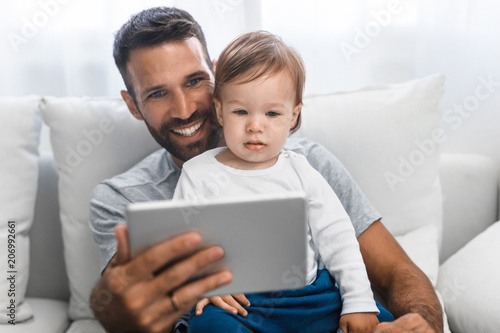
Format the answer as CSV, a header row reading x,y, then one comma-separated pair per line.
x,y
468,283
50,316
85,325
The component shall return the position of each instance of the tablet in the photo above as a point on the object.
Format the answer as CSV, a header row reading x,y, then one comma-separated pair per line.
x,y
263,236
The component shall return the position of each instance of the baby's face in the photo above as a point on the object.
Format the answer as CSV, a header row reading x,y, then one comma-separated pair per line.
x,y
257,117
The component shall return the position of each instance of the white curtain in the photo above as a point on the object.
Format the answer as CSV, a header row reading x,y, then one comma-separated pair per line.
x,y
350,44
63,48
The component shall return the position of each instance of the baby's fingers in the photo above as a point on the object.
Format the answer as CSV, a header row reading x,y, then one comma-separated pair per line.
x,y
220,301
242,299
229,299
200,305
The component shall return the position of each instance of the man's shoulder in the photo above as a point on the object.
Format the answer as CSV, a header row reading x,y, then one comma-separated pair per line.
x,y
315,152
300,145
152,171
303,146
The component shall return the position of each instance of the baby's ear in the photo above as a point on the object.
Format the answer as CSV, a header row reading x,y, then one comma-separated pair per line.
x,y
295,115
218,110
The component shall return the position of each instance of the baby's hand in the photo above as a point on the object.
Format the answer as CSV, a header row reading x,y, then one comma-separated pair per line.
x,y
363,322
231,303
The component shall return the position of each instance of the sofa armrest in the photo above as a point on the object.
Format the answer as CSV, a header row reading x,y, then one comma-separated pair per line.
x,y
48,278
470,185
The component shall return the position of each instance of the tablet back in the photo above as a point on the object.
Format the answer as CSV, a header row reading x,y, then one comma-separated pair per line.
x,y
263,236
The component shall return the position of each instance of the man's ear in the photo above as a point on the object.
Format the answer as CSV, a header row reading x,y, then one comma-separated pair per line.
x,y
295,114
131,105
218,110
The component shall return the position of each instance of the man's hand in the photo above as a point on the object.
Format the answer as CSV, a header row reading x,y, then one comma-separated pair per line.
x,y
410,323
130,297
358,322
231,303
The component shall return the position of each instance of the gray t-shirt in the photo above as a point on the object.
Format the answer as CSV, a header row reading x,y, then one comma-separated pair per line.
x,y
155,178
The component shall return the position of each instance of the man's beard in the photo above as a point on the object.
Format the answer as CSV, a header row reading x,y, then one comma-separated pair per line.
x,y
168,140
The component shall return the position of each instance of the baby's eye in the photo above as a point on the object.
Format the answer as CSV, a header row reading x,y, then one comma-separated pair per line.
x,y
241,112
272,114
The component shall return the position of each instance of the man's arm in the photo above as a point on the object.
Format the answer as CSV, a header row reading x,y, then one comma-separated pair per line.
x,y
130,297
408,292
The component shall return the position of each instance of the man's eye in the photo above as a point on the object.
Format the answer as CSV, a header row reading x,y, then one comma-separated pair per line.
x,y
240,112
158,94
194,82
272,113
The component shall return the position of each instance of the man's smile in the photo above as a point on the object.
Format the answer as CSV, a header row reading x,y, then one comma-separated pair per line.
x,y
189,131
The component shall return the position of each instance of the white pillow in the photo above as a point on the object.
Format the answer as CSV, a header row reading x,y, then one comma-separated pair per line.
x,y
92,140
388,138
421,245
21,123
468,283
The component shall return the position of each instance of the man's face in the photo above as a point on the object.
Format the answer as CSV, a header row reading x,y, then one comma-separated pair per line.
x,y
173,85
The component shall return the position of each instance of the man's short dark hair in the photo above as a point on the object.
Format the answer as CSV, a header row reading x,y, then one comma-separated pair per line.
x,y
153,27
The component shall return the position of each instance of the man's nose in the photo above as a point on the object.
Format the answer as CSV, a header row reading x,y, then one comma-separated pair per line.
x,y
183,107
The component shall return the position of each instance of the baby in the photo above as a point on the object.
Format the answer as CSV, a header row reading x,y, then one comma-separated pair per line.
x,y
259,82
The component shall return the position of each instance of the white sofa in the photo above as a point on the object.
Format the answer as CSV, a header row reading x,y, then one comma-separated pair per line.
x,y
441,208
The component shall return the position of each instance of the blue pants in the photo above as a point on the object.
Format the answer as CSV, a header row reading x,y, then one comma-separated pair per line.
x,y
314,308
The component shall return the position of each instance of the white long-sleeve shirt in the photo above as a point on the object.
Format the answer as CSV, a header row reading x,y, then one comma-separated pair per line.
x,y
331,238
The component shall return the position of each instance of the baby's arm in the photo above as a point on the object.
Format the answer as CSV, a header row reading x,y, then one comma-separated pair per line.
x,y
360,322
334,238
231,303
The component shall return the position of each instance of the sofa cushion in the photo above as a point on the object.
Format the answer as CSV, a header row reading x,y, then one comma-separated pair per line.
x,y
21,123
388,137
92,139
50,316
474,197
468,283
86,325
421,245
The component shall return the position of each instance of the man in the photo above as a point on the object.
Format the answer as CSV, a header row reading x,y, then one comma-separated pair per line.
x,y
162,56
